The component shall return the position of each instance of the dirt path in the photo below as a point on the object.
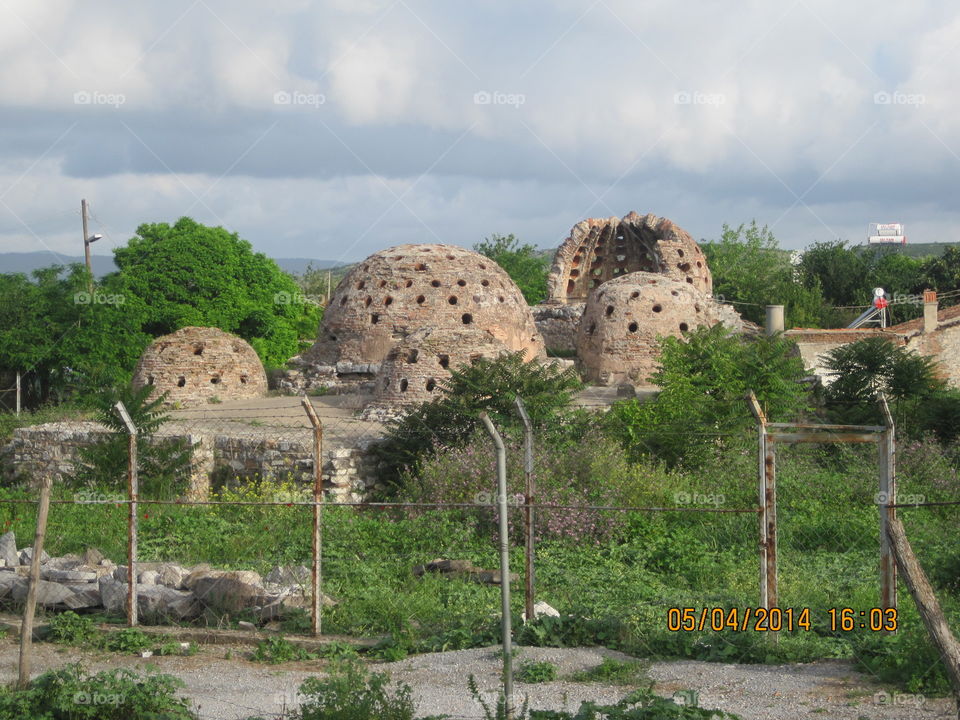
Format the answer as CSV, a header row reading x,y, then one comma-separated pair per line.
x,y
238,688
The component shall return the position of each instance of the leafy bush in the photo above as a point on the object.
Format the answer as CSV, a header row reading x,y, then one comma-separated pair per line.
x,y
121,694
614,672
276,650
129,640
536,672
350,692
72,629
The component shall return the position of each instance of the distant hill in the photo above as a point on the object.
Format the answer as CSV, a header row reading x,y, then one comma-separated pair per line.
x,y
103,264
915,250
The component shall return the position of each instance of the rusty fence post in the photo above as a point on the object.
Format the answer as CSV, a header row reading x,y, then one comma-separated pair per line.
x,y
886,498
317,574
528,518
768,508
26,626
505,620
133,492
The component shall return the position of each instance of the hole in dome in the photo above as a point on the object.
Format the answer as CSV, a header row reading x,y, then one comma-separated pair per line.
x,y
452,299
651,282
408,283
333,337
500,299
462,283
632,327
403,385
181,381
597,260
684,327
609,310
412,356
450,257
574,273
435,283
674,293
428,249
388,301
699,264
485,283
368,301
621,258
570,286
657,308
343,301
431,385
361,285
420,299
634,295
594,283
382,283
690,280
421,267
684,266
395,257
215,380
592,329
482,266
477,299
374,319
149,379
696,307
680,253
467,318
444,361
243,379
576,261
198,349
597,271
367,267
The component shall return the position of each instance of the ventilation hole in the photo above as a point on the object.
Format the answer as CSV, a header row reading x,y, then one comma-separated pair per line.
x,y
621,258
485,283
444,361
462,283
343,301
421,267
431,385
651,282
596,271
684,327
609,310
690,280
684,266
632,327
570,286
243,379
374,319
215,380
597,260
367,267
500,299
435,283
149,379
592,329
403,385
198,349
382,283
420,299
388,301
634,295
482,266
699,264
674,293
574,273
696,307
477,299
680,253
594,283
576,261
333,337
450,257
467,318
361,285
412,356
452,299
408,283
657,308
428,250
368,301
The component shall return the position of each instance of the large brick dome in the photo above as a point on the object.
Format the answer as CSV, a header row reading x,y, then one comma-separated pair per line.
x,y
195,364
403,289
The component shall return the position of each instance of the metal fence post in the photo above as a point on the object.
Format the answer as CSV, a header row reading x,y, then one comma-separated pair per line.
x,y
18,393
886,498
529,492
504,566
133,490
317,575
26,627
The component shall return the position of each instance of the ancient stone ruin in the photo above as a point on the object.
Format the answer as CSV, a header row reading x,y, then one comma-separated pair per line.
x,y
398,291
195,364
600,249
617,337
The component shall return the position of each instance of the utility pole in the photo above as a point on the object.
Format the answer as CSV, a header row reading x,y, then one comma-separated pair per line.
x,y
86,244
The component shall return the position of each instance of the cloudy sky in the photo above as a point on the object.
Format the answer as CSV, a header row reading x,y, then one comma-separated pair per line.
x,y
333,129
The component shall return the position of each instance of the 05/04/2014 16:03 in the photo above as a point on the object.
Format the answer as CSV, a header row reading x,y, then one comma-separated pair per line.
x,y
760,619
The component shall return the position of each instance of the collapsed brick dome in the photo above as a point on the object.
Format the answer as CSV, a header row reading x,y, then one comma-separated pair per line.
x,y
195,364
406,288
600,249
617,338
413,370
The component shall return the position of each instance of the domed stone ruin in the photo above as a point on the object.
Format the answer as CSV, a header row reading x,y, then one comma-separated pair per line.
x,y
600,249
617,337
195,364
412,372
398,291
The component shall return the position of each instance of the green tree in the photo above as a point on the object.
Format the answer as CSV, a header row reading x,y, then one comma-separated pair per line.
x,y
523,263
704,379
750,269
942,273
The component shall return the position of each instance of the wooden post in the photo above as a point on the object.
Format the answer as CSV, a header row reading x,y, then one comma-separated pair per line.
x,y
133,489
887,497
927,604
529,492
26,627
317,609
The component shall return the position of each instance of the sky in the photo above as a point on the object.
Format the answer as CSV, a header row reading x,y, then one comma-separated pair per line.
x,y
331,130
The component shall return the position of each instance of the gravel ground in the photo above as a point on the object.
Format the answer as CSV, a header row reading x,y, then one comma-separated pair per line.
x,y
237,688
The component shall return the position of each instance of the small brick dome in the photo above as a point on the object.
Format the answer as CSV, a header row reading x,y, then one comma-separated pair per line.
x,y
617,337
403,289
195,364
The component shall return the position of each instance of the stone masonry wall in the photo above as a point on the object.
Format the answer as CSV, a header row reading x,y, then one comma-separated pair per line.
x,y
558,325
